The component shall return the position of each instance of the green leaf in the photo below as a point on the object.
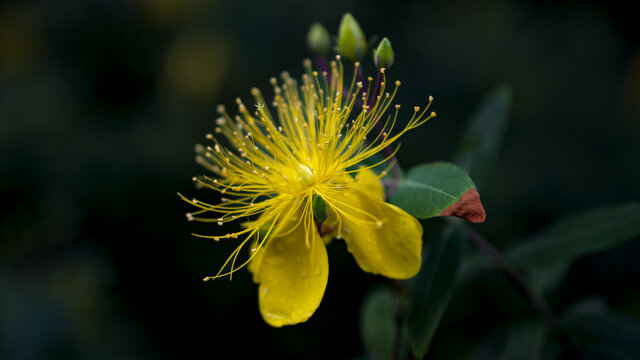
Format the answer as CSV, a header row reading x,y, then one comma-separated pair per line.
x,y
586,306
439,189
523,342
377,323
433,287
579,235
480,145
545,278
520,341
609,334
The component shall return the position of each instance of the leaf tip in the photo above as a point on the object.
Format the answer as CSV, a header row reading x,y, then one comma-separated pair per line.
x,y
469,207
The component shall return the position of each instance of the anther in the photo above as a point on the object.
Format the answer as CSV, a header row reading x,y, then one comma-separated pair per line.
x,y
397,106
398,83
220,121
382,70
430,98
433,114
220,109
416,108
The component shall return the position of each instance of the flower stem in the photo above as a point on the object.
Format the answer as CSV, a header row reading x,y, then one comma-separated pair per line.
x,y
537,302
323,66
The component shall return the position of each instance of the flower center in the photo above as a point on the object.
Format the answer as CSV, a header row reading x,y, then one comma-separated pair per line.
x,y
305,174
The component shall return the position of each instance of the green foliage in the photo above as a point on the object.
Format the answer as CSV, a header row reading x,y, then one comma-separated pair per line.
x,y
481,143
383,55
523,342
429,190
579,235
433,287
352,43
548,277
377,324
443,189
546,257
604,333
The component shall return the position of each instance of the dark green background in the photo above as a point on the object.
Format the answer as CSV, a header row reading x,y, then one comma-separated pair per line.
x,y
101,103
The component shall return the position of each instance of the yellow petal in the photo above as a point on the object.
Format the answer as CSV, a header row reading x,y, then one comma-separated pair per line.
x,y
369,183
392,249
292,277
366,181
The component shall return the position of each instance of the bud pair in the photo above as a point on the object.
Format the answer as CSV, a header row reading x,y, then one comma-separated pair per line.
x,y
351,42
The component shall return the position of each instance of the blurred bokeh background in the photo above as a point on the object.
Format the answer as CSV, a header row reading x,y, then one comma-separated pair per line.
x,y
101,103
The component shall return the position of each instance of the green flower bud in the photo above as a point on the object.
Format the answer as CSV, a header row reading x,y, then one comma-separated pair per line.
x,y
352,43
318,39
383,55
320,209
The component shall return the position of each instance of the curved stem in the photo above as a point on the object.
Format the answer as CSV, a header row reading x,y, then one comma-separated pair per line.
x,y
537,302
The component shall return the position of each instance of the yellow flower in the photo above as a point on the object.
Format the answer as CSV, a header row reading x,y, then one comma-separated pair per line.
x,y
269,171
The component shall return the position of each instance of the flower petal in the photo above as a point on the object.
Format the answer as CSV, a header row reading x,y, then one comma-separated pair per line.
x,y
292,277
369,183
393,249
